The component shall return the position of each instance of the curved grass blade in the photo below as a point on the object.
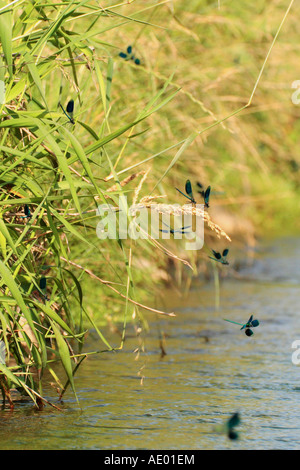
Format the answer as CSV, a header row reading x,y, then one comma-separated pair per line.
x,y
8,279
17,381
64,354
6,38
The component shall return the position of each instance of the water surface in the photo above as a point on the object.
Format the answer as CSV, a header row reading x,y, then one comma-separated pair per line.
x,y
210,371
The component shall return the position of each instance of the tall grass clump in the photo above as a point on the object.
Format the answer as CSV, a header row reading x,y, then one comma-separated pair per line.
x,y
54,174
140,129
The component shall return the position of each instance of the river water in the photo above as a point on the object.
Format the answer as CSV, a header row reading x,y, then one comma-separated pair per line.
x,y
211,370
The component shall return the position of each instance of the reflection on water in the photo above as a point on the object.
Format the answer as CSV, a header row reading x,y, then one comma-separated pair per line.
x,y
211,370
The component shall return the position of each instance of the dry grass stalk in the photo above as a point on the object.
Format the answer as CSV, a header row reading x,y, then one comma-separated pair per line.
x,y
177,211
125,181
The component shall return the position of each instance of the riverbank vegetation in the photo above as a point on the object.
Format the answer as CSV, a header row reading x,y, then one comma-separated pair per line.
x,y
191,104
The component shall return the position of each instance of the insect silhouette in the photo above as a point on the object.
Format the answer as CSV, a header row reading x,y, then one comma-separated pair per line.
x,y
171,230
70,111
189,192
27,213
204,193
129,56
221,258
247,326
43,287
229,426
233,421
